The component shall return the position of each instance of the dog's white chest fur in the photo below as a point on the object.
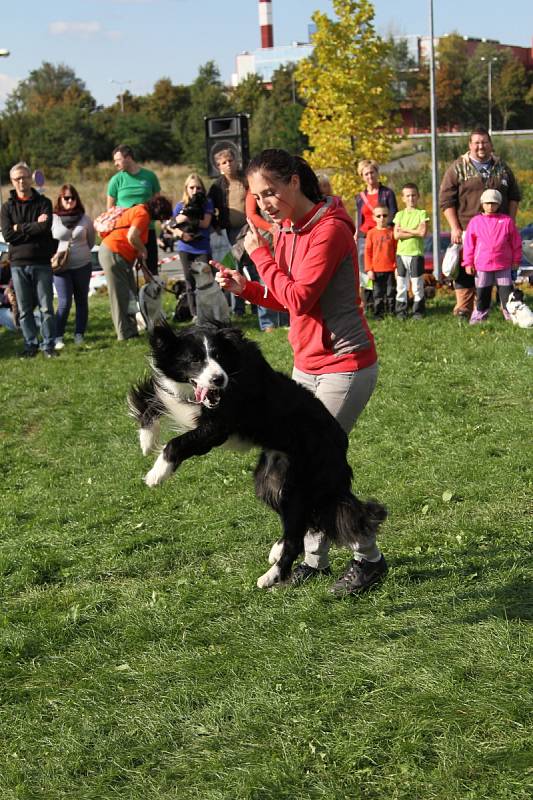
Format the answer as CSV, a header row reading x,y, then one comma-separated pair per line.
x,y
177,399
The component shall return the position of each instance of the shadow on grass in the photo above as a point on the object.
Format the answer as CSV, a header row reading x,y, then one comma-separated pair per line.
x,y
512,600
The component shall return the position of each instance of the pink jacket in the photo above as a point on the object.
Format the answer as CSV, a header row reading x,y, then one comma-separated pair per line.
x,y
492,242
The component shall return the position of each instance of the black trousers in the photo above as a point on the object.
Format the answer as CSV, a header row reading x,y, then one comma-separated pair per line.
x,y
384,293
484,296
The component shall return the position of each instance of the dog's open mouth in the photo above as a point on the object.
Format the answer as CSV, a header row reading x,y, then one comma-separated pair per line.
x,y
210,398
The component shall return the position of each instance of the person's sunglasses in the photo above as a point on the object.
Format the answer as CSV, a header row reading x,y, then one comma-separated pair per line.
x,y
68,198
381,216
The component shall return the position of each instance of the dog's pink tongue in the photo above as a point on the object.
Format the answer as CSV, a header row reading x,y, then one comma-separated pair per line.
x,y
200,393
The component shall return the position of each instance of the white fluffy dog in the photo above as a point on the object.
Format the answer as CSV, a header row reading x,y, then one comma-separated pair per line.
x,y
520,313
210,301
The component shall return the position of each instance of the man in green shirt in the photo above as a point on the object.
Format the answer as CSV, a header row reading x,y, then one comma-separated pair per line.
x,y
132,185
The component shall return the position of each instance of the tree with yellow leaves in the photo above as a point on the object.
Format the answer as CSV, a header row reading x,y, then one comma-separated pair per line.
x,y
347,86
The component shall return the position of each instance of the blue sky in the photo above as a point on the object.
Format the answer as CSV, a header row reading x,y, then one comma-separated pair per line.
x,y
142,40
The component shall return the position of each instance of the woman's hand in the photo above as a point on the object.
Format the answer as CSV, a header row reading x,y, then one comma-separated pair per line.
x,y
181,218
470,270
370,274
229,279
253,239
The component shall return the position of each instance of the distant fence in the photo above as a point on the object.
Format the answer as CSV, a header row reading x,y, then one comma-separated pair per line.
x,y
463,134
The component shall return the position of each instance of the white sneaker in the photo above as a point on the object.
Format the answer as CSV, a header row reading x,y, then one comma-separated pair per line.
x,y
78,338
59,345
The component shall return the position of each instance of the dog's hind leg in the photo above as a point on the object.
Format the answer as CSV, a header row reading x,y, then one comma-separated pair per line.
x,y
275,552
145,408
295,522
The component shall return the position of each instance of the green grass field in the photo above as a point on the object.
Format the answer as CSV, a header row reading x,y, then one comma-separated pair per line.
x,y
138,659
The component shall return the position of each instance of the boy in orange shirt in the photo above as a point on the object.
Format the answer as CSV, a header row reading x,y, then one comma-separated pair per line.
x,y
380,262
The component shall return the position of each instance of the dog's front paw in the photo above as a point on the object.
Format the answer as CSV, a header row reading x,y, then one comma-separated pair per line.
x,y
159,473
275,552
269,578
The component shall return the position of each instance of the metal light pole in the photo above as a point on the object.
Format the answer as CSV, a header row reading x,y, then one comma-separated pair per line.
x,y
121,93
434,161
3,54
489,63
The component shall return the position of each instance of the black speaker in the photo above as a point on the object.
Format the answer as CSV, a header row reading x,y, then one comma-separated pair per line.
x,y
226,133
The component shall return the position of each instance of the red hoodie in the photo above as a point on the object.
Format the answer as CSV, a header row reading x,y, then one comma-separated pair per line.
x,y
315,278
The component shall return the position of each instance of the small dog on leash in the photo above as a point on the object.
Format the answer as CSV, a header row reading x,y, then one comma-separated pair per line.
x,y
211,305
150,304
521,314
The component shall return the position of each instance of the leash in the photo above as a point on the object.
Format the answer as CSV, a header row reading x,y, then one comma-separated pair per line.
x,y
139,265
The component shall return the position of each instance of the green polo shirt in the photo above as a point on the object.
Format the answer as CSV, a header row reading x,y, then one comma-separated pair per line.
x,y
130,190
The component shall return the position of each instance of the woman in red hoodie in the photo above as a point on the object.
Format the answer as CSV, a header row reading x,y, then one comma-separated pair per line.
x,y
314,276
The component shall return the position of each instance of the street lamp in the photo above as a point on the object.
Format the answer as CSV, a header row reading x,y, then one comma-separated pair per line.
x,y
490,61
121,93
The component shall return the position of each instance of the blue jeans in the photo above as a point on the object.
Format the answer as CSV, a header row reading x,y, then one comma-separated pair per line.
x,y
6,319
69,284
33,287
271,319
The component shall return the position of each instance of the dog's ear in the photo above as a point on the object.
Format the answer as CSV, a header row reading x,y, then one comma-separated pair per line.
x,y
162,336
233,335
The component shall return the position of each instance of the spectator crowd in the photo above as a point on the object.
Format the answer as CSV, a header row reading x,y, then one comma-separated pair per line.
x,y
50,245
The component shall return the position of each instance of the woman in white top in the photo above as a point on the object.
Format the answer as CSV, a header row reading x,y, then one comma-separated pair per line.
x,y
72,228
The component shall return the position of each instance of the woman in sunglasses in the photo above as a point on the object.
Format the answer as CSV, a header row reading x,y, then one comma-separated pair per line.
x,y
74,231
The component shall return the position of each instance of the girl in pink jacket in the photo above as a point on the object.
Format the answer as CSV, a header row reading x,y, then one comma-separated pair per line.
x,y
492,247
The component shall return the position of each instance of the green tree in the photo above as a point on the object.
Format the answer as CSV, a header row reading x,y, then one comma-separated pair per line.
x,y
450,80
248,95
48,86
346,85
509,89
208,99
404,69
276,122
167,100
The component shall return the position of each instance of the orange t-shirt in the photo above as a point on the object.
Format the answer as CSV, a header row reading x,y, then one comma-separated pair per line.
x,y
380,250
117,240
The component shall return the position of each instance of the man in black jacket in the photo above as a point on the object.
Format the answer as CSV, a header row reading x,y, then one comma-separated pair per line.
x,y
26,221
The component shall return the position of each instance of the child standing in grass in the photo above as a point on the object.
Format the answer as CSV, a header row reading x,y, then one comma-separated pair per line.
x,y
380,262
491,249
410,227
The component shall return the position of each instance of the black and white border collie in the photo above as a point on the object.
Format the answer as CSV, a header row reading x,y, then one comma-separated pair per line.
x,y
215,385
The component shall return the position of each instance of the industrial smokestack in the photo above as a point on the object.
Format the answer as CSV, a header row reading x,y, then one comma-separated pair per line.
x,y
265,23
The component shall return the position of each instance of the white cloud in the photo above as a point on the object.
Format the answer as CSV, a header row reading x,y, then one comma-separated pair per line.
x,y
62,27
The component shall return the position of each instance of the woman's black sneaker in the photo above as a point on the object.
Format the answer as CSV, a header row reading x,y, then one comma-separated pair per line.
x,y
304,573
360,576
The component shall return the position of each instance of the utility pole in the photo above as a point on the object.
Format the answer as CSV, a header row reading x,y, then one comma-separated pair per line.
x,y
434,159
490,61
121,93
